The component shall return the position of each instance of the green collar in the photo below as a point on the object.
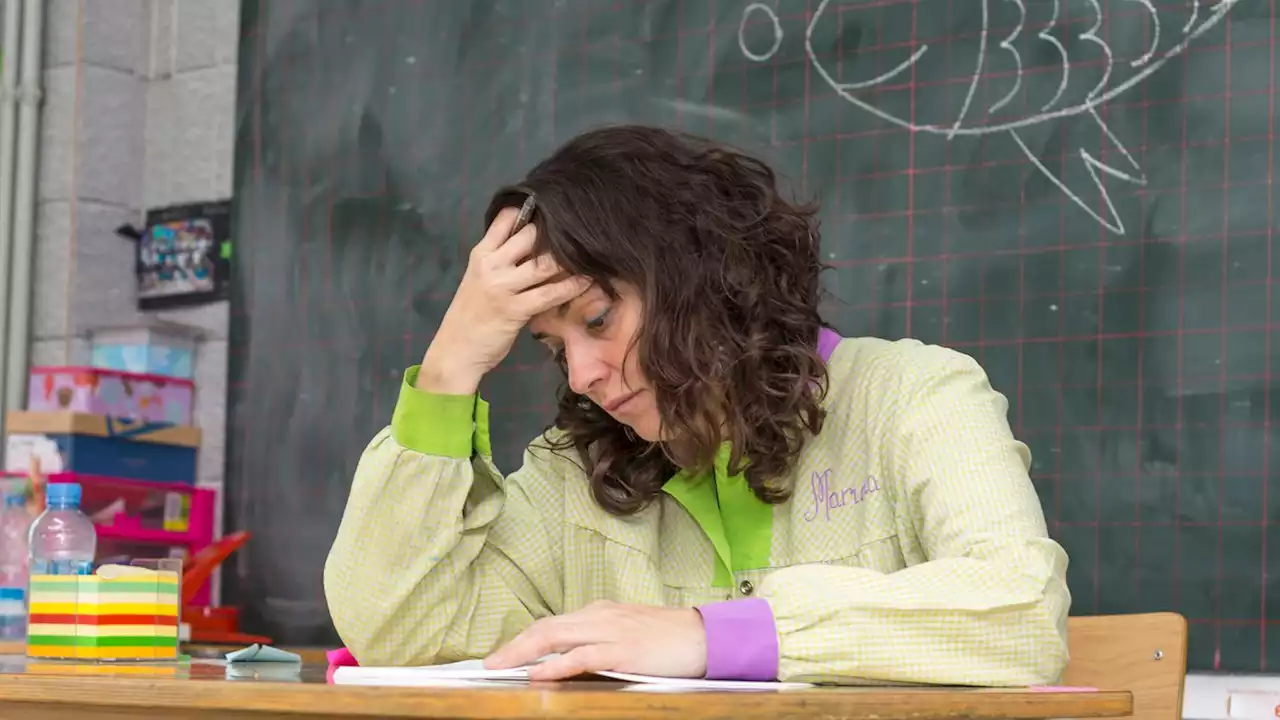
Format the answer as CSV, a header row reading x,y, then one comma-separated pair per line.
x,y
738,524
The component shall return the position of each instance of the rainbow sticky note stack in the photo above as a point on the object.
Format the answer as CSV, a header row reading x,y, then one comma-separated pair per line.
x,y
131,616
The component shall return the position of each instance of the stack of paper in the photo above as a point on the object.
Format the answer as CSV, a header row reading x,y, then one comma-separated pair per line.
x,y
472,673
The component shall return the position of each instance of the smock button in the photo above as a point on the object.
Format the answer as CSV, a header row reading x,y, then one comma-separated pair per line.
x,y
745,587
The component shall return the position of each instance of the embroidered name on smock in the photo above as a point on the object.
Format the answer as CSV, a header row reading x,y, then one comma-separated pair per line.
x,y
828,496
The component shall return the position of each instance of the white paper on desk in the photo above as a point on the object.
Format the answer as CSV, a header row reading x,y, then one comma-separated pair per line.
x,y
661,684
465,671
344,676
470,673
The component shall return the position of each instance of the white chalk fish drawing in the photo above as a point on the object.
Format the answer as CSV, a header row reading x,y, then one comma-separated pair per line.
x,y
1149,62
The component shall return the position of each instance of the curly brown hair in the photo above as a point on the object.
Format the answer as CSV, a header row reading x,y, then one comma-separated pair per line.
x,y
728,273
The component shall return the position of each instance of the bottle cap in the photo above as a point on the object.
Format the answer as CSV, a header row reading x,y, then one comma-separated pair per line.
x,y
65,494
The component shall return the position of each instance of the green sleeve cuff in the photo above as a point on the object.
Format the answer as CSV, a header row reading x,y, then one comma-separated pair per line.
x,y
433,424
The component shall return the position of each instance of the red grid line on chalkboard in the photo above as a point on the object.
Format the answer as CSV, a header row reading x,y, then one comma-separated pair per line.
x,y
1222,350
1266,446
1177,559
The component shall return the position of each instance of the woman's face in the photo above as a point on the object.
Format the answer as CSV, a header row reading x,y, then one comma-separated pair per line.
x,y
594,335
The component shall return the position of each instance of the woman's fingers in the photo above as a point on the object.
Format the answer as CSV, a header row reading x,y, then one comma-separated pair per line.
x,y
535,283
498,232
517,249
555,634
549,295
535,272
579,661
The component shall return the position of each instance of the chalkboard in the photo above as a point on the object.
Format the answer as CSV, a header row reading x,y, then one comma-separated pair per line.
x,y
1077,192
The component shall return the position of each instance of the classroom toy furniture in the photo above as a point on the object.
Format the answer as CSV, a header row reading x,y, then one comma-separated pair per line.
x,y
1145,654
139,518
98,391
142,511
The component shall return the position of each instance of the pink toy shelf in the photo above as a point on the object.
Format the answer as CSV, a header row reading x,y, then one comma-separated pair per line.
x,y
97,391
143,519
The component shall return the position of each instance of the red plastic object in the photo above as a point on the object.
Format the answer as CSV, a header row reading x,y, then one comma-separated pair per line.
x,y
218,626
213,625
198,567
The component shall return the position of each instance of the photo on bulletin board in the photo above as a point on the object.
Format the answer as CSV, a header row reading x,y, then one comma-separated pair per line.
x,y
183,256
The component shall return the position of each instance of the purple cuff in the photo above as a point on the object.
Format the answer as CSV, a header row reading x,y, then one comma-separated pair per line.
x,y
742,642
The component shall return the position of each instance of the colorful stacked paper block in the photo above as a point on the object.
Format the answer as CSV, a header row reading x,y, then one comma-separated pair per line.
x,y
90,617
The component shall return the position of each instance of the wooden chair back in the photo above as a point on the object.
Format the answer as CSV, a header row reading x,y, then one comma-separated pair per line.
x,y
1145,654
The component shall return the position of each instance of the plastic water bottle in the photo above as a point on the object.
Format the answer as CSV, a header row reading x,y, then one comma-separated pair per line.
x,y
63,540
15,523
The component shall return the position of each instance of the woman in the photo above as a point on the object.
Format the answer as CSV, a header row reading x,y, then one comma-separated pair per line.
x,y
730,489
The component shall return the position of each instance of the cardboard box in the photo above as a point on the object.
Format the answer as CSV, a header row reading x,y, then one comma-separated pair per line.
x,y
155,349
101,445
97,391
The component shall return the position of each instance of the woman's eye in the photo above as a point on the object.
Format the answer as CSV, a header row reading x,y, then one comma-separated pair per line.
x,y
597,322
557,354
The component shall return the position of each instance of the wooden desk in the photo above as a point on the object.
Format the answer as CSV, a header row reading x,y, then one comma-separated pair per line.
x,y
203,689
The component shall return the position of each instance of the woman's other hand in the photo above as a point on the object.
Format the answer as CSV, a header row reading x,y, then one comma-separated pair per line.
x,y
640,639
501,290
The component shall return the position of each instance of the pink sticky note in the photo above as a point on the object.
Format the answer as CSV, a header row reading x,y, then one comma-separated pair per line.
x,y
340,657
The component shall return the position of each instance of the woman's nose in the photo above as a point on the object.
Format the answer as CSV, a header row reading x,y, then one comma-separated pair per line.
x,y
585,369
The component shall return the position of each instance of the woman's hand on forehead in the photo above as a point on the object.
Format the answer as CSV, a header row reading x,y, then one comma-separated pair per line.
x,y
497,297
